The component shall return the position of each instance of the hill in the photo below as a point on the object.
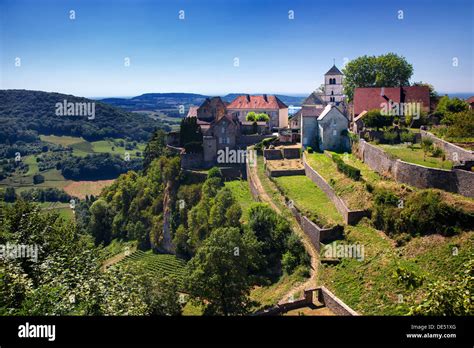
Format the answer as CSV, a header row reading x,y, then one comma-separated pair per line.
x,y
168,104
24,114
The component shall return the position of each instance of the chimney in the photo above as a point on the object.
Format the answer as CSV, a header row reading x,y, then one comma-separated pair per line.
x,y
248,98
382,91
265,98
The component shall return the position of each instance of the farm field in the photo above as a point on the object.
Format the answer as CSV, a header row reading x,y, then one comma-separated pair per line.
x,y
160,264
63,209
415,156
309,198
241,192
354,193
81,189
82,147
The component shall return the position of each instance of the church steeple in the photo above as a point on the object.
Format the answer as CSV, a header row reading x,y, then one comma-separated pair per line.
x,y
333,71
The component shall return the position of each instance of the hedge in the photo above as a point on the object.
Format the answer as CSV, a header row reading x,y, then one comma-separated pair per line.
x,y
348,170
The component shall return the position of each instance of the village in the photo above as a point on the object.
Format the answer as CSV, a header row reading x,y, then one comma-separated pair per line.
x,y
326,121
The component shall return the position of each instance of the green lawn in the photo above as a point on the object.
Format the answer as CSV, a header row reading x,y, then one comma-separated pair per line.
x,y
241,192
32,165
105,146
416,156
309,198
354,193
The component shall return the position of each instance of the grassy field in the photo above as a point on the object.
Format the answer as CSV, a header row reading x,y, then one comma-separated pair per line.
x,y
309,198
354,193
82,147
369,286
81,189
63,209
241,192
416,156
61,140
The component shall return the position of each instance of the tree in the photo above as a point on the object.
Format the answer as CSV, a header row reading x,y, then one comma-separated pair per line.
x,y
223,201
251,117
388,70
101,222
214,172
190,132
447,106
154,149
262,117
38,179
218,275
433,93
426,146
374,119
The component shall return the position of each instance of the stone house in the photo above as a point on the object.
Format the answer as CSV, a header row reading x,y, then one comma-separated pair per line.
x,y
222,133
327,131
268,104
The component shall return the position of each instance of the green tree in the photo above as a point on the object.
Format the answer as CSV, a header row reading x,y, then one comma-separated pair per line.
x,y
219,274
251,117
155,148
101,222
262,117
190,132
448,106
374,119
223,201
388,70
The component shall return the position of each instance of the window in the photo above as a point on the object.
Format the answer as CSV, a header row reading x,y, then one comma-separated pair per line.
x,y
334,132
332,92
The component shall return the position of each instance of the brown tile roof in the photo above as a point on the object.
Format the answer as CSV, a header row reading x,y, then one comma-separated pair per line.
x,y
470,100
257,102
372,97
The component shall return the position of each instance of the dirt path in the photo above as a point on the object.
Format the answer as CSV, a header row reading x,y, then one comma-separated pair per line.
x,y
116,258
312,280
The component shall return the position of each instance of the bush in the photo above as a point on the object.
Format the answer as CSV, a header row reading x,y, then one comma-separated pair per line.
x,y
390,137
348,170
214,172
38,179
437,152
309,149
407,137
423,213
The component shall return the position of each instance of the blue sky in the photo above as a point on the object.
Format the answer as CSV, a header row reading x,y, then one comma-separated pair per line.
x,y
86,56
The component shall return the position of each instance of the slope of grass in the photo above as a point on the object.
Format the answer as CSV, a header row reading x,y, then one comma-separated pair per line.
x,y
241,192
354,193
309,198
369,286
416,156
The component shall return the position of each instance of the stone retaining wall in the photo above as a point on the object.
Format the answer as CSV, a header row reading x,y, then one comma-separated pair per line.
x,y
284,172
324,296
351,217
457,180
453,152
272,154
335,304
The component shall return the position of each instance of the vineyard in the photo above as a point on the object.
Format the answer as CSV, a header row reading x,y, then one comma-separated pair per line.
x,y
160,264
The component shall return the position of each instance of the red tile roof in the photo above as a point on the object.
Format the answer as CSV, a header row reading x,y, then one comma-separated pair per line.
x,y
470,100
256,102
372,97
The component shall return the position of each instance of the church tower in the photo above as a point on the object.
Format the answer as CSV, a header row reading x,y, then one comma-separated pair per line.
x,y
333,91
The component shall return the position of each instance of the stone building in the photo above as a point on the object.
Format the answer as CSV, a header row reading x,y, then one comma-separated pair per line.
x,y
328,131
333,89
268,104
